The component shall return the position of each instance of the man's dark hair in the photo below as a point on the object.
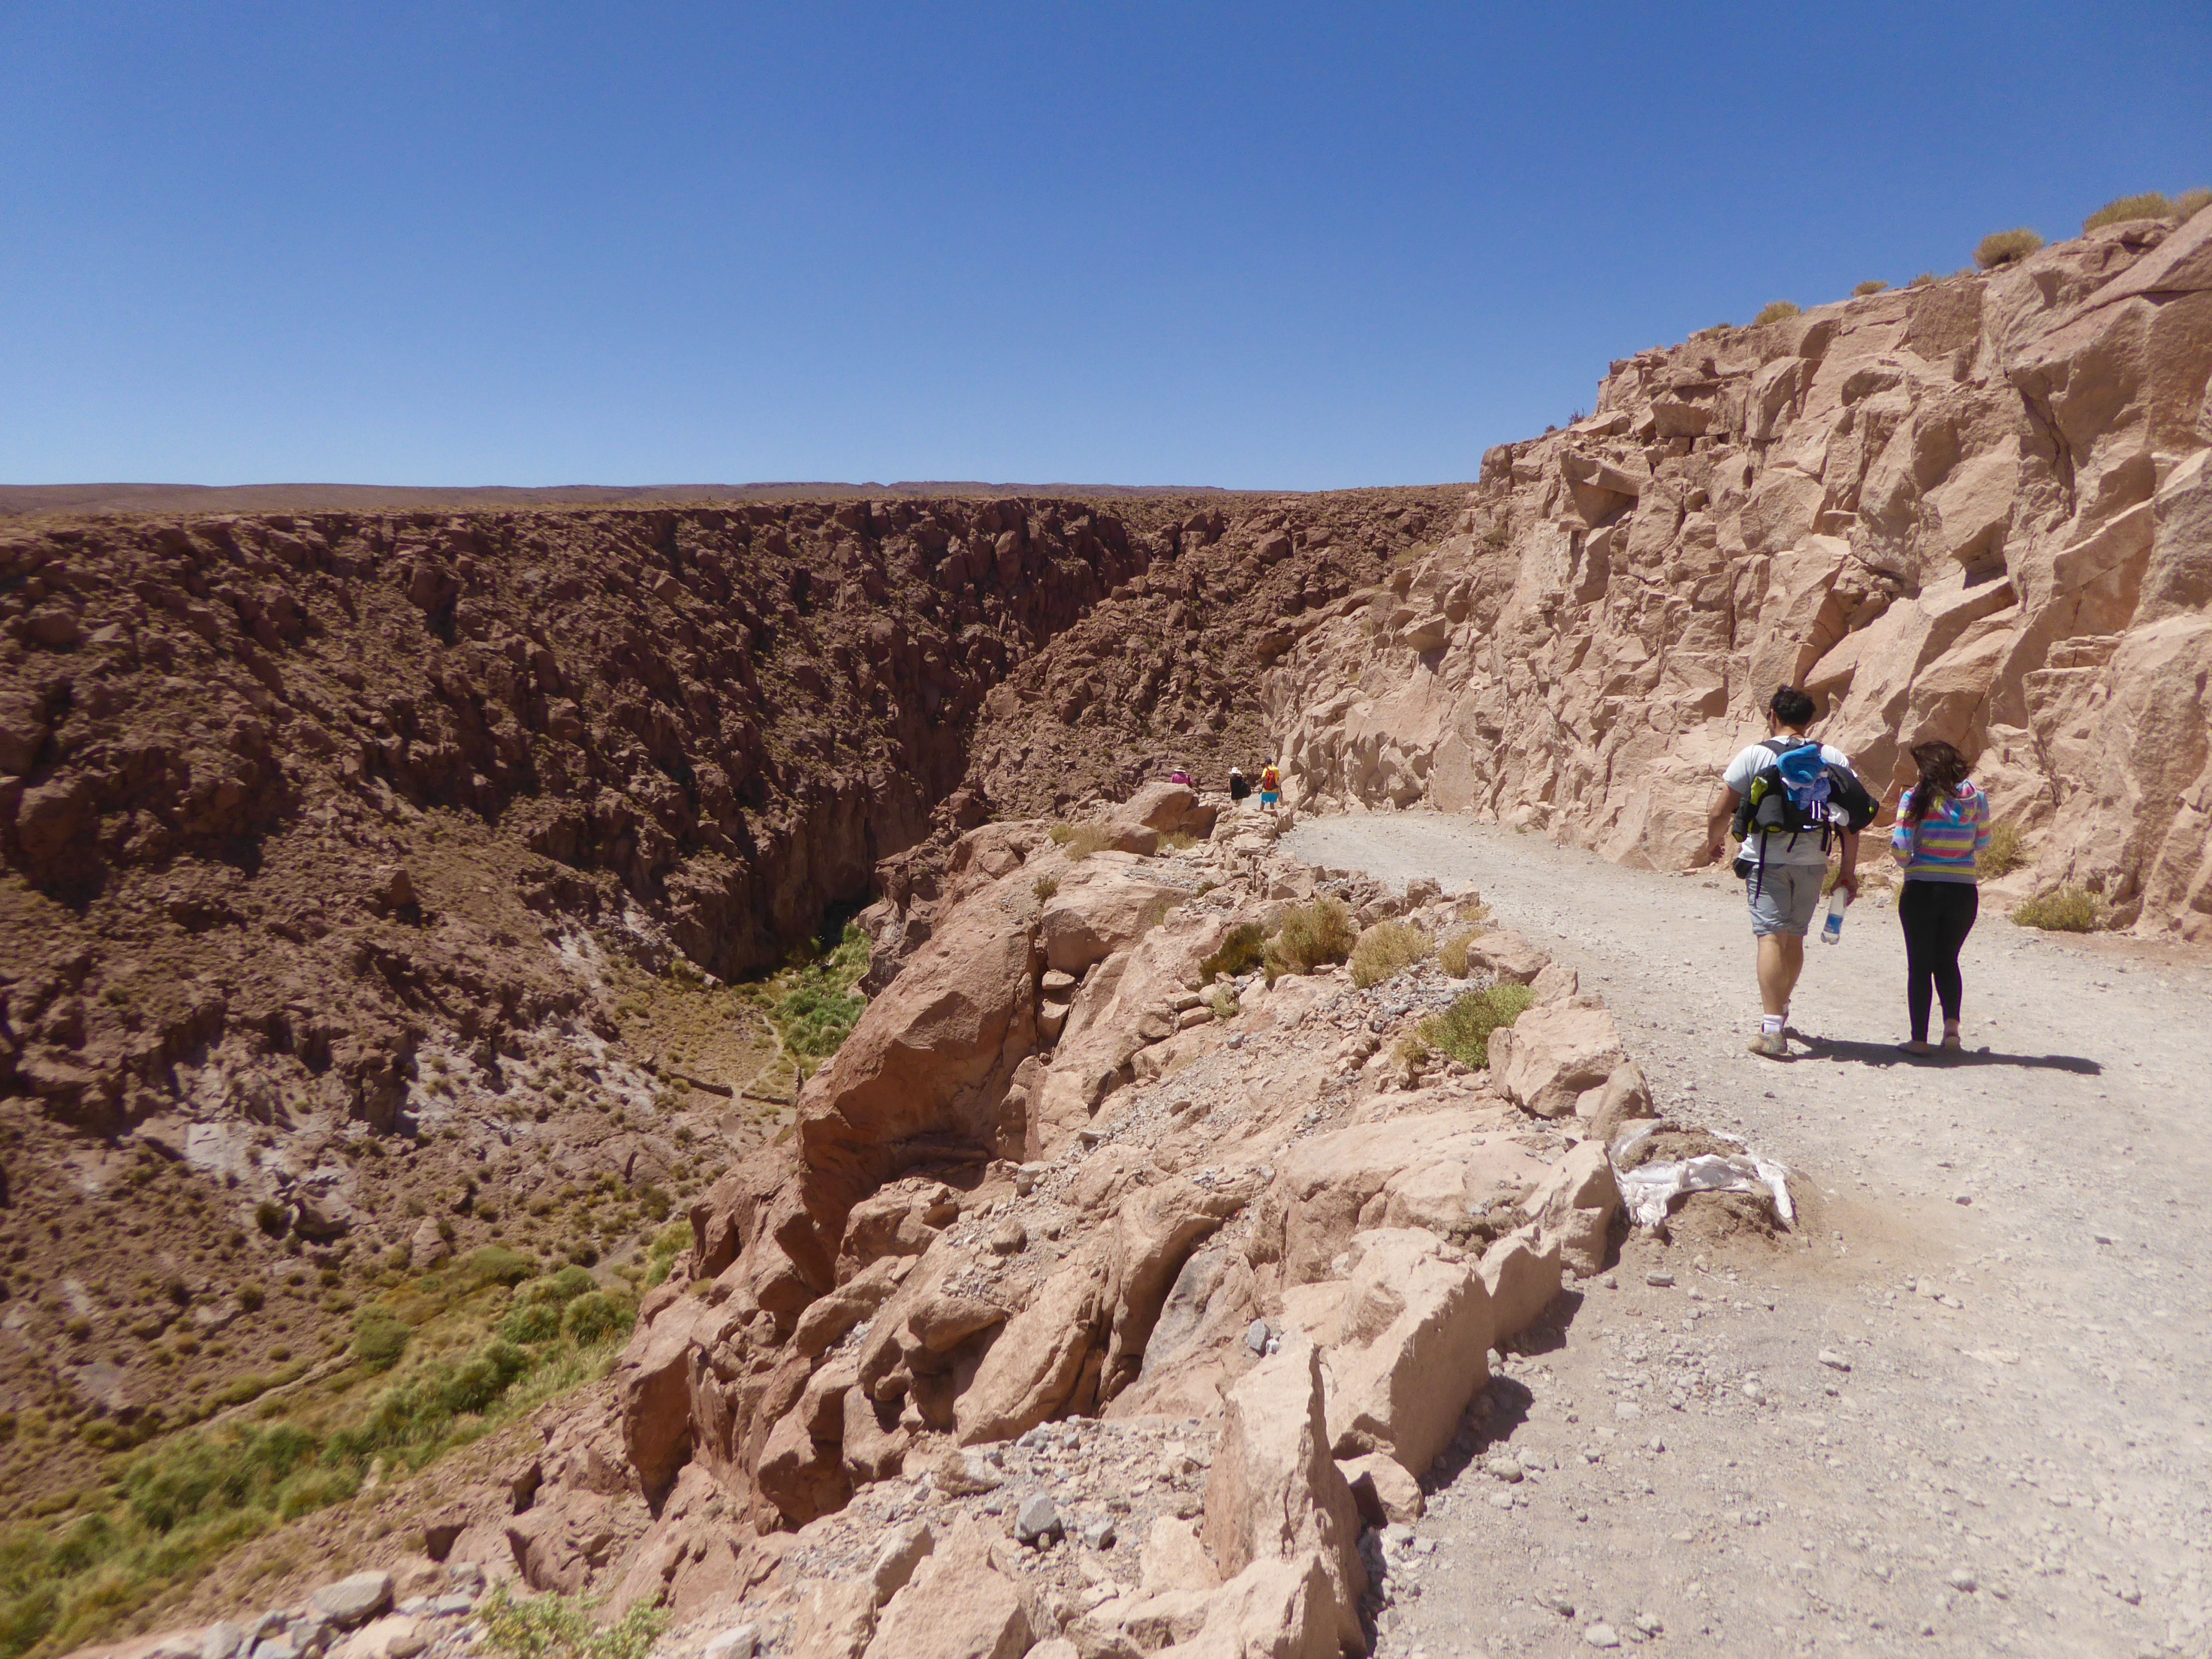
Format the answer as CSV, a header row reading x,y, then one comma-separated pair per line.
x,y
1792,706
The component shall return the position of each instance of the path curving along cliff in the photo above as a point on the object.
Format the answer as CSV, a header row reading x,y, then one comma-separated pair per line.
x,y
1977,509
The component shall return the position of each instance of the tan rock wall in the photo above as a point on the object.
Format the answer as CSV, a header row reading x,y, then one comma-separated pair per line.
x,y
1976,510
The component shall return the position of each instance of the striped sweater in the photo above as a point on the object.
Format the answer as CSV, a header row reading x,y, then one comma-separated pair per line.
x,y
1944,846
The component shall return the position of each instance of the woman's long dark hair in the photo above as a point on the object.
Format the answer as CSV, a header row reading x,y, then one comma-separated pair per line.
x,y
1942,769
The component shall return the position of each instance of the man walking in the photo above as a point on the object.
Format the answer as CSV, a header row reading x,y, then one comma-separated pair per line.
x,y
1788,797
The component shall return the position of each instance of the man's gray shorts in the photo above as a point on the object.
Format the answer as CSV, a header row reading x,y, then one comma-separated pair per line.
x,y
1783,899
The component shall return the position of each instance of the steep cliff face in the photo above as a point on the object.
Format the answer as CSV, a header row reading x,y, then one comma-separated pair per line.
x,y
1977,509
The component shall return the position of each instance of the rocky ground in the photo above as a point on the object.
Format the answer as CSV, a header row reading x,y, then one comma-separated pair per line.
x,y
1959,1414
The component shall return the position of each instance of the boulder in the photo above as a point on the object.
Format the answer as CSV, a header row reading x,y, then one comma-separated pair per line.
x,y
1174,1559
957,1606
1275,1494
1555,982
1033,1365
1101,905
1547,1057
1624,1098
354,1601
1167,808
903,1549
1382,1488
1412,1348
836,1619
1575,1208
1273,1609
1521,1271
1505,956
395,1636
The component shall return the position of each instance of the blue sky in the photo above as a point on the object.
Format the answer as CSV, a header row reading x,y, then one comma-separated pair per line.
x,y
1263,246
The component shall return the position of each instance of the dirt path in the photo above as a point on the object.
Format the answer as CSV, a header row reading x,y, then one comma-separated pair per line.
x,y
2005,1254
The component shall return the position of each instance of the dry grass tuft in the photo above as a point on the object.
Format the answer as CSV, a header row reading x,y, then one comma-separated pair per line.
x,y
1080,840
1245,949
1776,311
2005,854
2151,205
1386,950
1872,285
2004,248
1311,936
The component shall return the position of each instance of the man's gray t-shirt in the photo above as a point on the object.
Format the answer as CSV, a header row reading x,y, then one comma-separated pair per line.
x,y
1803,849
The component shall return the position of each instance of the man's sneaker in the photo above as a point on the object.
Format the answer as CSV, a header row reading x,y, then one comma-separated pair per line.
x,y
1773,1045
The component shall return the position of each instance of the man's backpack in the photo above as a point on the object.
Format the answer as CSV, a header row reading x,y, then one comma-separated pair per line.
x,y
1799,793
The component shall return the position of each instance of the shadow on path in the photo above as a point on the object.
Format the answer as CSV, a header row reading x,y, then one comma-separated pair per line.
x,y
1889,1053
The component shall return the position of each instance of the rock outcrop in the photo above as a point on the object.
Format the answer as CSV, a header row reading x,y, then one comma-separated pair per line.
x,y
1977,509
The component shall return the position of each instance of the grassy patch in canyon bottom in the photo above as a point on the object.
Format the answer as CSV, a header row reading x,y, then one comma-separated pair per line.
x,y
445,1359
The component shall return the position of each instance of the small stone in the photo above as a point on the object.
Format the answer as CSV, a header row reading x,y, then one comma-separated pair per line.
x,y
1649,1624
1601,1635
1834,1361
1504,1468
1255,1336
1009,1237
1037,1521
1659,1278
1626,1411
221,1641
1099,1533
1498,1500
1962,1198
1753,1392
275,1648
1959,1579
740,1643
1657,1445
1558,1603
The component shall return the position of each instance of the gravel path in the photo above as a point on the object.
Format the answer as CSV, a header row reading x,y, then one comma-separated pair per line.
x,y
1962,1411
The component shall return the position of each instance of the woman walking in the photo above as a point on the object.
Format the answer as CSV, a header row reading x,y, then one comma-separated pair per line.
x,y
1943,829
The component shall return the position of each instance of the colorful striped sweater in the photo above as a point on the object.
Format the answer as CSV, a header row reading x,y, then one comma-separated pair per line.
x,y
1944,846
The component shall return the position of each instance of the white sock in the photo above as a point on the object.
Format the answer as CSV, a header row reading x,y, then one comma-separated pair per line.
x,y
1770,1024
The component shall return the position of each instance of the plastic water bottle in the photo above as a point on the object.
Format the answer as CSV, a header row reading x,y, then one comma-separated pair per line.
x,y
1832,929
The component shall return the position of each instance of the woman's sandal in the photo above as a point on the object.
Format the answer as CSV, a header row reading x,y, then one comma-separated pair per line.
x,y
1918,1046
1952,1045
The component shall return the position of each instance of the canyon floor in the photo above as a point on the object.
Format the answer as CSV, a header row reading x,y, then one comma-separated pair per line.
x,y
2001,1249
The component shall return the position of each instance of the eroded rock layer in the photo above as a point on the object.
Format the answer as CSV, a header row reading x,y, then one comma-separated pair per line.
x,y
1977,509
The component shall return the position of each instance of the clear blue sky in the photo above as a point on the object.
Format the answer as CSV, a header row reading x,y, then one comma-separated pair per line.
x,y
483,241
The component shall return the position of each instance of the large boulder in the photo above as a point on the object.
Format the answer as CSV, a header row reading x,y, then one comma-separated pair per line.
x,y
1167,808
1275,1494
1412,1347
1575,1207
1273,1609
957,1606
1522,1272
1546,1059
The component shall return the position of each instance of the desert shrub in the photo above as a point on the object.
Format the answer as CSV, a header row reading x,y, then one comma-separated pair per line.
x,y
1451,955
668,1243
595,1318
2151,205
2191,203
533,1321
1924,280
2004,248
380,1337
1222,998
1311,935
1177,840
2004,854
1410,1053
1238,954
196,1475
1776,311
495,1264
1386,950
2062,910
1044,887
817,1008
558,1628
271,1217
568,1284
1872,285
251,1297
1463,1029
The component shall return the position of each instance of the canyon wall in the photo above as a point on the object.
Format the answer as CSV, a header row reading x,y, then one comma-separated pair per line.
x,y
1976,509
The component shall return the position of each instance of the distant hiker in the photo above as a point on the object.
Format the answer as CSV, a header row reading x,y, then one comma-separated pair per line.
x,y
1942,827
1180,775
1271,786
1240,787
1788,797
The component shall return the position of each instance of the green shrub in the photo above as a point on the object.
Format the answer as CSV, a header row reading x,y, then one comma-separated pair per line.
x,y
1872,285
495,1264
2151,205
1242,951
1776,311
271,1217
533,1321
195,1475
596,1317
564,1287
1044,887
1386,950
668,1243
558,1628
2004,854
2063,910
1463,1029
1311,936
816,1008
2004,248
380,1337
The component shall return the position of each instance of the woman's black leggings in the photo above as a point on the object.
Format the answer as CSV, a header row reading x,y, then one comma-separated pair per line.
x,y
1938,917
